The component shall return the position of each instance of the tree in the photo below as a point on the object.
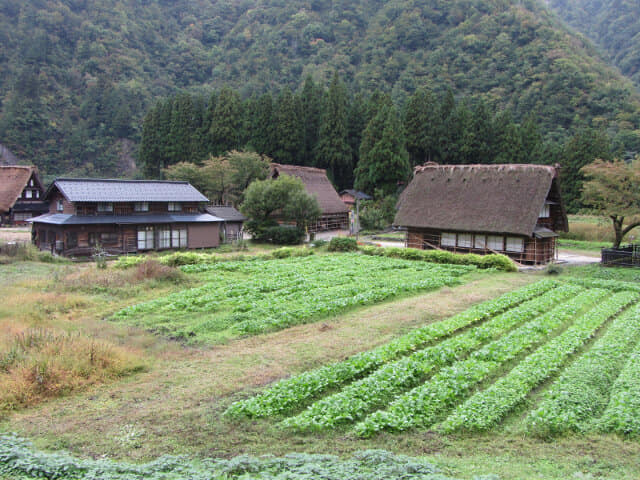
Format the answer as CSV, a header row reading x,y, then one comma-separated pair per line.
x,y
226,125
384,160
285,197
289,132
224,178
421,126
333,150
613,189
311,102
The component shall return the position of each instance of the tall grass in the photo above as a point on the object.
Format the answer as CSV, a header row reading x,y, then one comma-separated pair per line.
x,y
40,363
11,252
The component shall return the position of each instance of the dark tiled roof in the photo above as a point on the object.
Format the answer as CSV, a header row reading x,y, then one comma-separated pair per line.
x,y
316,182
228,214
477,198
66,219
99,190
13,179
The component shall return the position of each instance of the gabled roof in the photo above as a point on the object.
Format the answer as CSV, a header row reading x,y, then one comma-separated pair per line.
x,y
101,190
316,182
227,213
478,198
13,179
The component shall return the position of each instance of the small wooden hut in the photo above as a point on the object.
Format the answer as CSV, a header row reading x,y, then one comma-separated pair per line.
x,y
514,210
335,214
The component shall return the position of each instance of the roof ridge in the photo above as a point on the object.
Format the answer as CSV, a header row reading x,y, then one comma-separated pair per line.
x,y
117,180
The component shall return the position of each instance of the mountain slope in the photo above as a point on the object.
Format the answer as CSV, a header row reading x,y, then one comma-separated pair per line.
x,y
614,25
78,75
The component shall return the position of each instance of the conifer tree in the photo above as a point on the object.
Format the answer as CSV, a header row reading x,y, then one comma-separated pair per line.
x,y
333,151
384,160
226,124
289,133
421,127
262,129
311,103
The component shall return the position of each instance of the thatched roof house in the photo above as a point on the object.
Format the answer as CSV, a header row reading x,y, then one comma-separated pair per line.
x,y
335,214
21,193
511,209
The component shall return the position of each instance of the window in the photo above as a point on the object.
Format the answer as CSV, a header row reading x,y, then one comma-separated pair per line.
x,y
464,240
448,239
145,238
21,216
164,237
545,211
105,207
31,182
72,239
495,242
109,238
515,244
37,193
28,193
60,206
480,242
175,207
179,238
141,206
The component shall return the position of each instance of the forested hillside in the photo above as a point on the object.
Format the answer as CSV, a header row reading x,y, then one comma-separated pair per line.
x,y
614,25
78,76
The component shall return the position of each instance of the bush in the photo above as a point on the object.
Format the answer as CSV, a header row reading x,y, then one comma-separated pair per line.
x,y
499,262
282,235
154,270
378,214
343,244
286,252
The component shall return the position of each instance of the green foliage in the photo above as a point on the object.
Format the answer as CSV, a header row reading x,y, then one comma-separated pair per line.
x,y
499,262
281,235
248,298
19,458
284,198
292,393
378,214
343,244
74,79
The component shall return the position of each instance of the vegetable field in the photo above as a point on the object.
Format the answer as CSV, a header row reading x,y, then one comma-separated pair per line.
x,y
551,358
253,297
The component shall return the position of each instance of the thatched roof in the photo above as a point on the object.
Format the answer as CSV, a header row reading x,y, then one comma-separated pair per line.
x,y
478,198
13,179
316,182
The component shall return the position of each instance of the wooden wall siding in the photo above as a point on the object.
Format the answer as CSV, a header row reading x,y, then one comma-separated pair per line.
x,y
331,221
68,207
536,250
204,235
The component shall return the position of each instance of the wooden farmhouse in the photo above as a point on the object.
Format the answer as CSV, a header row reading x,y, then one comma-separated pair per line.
x,y
21,194
124,216
349,197
515,210
335,214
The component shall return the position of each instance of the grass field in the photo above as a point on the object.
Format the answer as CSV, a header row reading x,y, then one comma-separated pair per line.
x,y
173,397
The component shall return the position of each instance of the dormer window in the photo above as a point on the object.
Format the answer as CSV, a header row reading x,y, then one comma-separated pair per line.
x,y
545,211
105,207
141,206
174,207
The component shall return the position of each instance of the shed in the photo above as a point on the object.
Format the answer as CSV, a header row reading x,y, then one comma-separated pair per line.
x,y
233,220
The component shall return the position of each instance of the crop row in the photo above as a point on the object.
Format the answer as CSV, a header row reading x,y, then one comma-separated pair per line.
x,y
294,392
428,403
488,407
355,400
621,414
611,285
582,391
254,297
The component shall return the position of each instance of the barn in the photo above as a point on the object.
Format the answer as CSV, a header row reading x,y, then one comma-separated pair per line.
x,y
514,210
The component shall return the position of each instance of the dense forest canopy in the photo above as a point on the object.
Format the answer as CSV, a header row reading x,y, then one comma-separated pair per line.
x,y
614,25
78,76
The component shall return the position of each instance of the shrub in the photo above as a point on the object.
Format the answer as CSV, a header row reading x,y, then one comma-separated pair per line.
x,y
154,270
282,235
343,244
286,252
